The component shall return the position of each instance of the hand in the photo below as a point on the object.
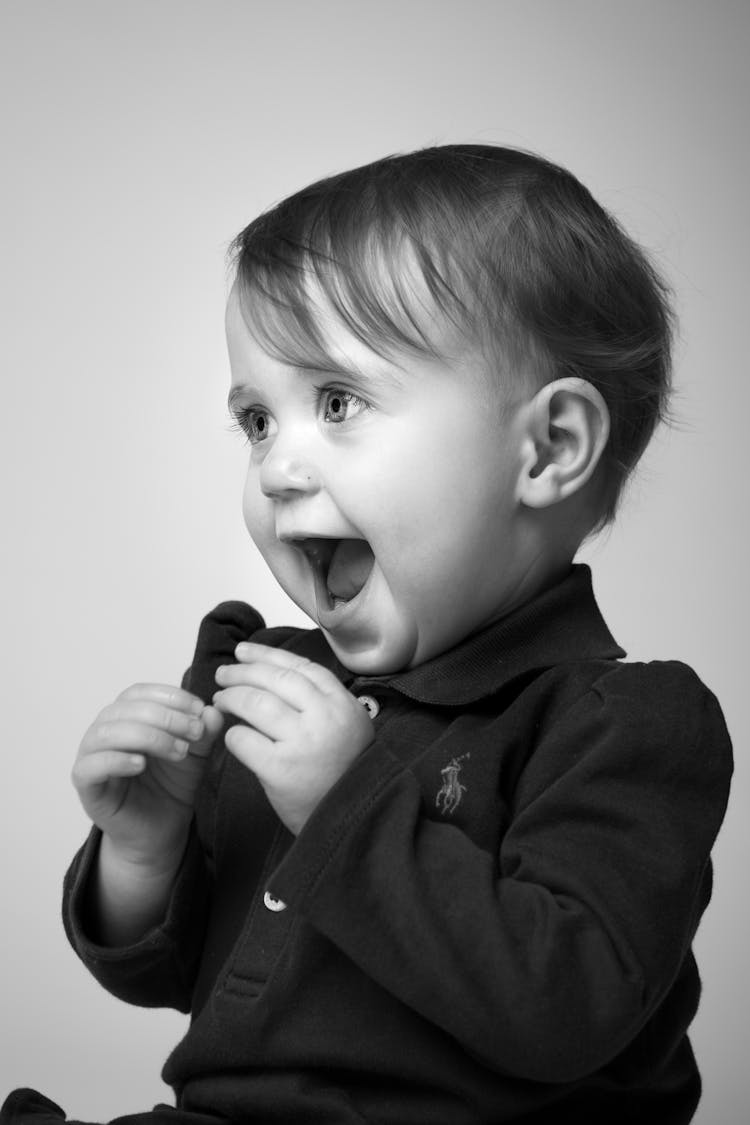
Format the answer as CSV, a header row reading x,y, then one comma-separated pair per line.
x,y
138,770
304,729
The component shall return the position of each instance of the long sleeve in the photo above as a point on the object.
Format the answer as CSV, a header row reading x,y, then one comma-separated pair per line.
x,y
548,957
160,970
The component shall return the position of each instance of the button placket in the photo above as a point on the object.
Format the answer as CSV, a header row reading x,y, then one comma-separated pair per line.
x,y
264,934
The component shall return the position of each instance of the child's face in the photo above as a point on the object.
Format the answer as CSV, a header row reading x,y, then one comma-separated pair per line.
x,y
381,495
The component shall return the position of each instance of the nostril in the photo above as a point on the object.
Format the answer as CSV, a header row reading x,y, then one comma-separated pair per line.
x,y
280,475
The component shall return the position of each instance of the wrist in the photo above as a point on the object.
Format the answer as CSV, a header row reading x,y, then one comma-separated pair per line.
x,y
129,893
138,863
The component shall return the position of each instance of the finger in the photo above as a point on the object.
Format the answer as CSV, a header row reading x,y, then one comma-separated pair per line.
x,y
288,683
134,737
247,652
98,769
166,694
250,747
213,723
262,710
181,724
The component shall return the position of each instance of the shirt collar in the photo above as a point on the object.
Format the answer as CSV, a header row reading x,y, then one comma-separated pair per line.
x,y
559,625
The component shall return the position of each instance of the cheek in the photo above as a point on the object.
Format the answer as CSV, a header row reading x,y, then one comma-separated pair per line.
x,y
435,527
255,510
249,509
421,506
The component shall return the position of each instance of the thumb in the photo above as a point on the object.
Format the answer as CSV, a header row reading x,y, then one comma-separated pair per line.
x,y
213,722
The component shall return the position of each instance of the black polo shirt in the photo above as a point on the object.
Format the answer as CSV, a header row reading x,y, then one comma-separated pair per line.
x,y
487,919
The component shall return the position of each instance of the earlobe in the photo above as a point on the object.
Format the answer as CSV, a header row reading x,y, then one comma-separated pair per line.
x,y
567,427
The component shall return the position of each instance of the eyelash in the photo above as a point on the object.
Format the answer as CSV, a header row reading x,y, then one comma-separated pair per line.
x,y
242,422
245,418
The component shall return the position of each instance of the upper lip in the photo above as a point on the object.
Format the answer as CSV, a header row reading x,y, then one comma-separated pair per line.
x,y
296,536
318,549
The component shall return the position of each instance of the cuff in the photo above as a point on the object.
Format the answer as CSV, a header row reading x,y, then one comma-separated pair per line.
x,y
184,911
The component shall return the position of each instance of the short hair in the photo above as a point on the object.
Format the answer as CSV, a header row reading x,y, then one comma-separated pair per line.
x,y
512,250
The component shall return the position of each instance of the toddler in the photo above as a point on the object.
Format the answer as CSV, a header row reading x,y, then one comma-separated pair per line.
x,y
440,859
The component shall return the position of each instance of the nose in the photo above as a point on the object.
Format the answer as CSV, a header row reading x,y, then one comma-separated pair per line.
x,y
285,472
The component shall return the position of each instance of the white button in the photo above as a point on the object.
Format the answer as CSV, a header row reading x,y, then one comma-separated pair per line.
x,y
272,903
371,705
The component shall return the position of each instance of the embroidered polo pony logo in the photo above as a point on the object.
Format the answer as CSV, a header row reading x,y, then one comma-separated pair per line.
x,y
452,790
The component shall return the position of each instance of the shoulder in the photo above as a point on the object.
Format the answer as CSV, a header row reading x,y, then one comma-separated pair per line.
x,y
651,722
660,701
661,695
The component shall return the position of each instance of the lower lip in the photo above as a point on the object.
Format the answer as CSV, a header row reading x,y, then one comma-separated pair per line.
x,y
334,617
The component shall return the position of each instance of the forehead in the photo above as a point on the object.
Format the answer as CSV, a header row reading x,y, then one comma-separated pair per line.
x,y
385,296
340,353
314,334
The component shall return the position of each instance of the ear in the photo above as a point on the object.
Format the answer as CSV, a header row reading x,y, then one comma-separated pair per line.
x,y
566,431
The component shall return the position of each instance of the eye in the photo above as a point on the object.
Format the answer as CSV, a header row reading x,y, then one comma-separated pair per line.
x,y
340,406
253,423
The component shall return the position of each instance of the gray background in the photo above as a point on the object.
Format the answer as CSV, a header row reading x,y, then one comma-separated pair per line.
x,y
139,137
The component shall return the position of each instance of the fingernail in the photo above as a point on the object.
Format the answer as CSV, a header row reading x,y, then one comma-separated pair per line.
x,y
220,672
180,749
197,706
195,728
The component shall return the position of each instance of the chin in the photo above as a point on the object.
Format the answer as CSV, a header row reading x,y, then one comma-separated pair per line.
x,y
381,658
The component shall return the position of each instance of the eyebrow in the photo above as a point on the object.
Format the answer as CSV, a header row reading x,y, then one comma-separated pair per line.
x,y
234,396
349,372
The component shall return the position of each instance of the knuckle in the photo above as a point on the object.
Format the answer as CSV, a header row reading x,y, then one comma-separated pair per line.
x,y
105,733
257,700
160,716
86,742
132,692
80,775
151,737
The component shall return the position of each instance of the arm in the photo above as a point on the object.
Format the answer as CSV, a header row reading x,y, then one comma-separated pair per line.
x,y
137,895
158,968
127,900
137,774
547,960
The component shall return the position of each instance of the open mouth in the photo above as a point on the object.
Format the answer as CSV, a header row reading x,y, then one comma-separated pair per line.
x,y
340,567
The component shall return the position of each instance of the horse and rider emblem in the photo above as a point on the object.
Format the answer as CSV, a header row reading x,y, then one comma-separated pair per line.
x,y
452,790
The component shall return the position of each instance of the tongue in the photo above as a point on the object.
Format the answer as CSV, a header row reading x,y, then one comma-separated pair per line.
x,y
349,569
